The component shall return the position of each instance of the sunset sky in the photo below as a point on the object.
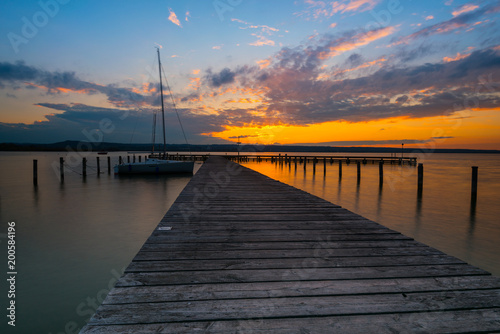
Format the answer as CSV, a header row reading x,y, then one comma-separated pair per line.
x,y
340,73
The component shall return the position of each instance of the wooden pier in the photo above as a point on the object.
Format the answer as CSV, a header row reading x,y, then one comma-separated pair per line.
x,y
239,252
292,158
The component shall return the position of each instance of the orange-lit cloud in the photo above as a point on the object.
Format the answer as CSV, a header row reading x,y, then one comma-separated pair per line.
x,y
173,18
364,65
261,41
264,63
244,100
457,57
333,25
430,17
194,83
322,9
464,9
342,45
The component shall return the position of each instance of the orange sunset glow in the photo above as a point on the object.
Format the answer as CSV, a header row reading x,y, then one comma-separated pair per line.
x,y
333,73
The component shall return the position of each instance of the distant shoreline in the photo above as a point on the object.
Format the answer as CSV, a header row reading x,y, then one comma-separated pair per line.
x,y
119,147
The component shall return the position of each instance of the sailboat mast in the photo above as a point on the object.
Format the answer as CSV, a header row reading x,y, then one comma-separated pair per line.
x,y
162,105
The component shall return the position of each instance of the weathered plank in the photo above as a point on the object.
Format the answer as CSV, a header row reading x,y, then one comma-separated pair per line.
x,y
468,321
240,252
290,307
295,274
162,293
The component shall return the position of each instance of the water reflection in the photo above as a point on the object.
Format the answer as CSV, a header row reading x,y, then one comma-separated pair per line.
x,y
472,214
379,198
356,198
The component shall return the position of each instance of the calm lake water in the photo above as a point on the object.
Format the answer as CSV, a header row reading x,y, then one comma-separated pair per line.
x,y
74,239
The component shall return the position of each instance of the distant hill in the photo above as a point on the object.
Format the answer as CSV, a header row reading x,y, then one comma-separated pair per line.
x,y
73,145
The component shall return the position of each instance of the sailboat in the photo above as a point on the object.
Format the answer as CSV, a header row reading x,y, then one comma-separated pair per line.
x,y
156,165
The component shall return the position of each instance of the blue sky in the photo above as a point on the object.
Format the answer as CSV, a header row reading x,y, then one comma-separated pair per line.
x,y
322,72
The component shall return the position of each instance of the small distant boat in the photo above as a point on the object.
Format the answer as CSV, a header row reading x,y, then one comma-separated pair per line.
x,y
156,165
102,152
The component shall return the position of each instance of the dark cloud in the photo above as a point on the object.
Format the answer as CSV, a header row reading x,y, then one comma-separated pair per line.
x,y
74,120
461,21
354,60
55,82
294,93
225,76
402,99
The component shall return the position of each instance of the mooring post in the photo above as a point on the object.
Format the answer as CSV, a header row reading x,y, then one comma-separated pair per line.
x,y
61,168
109,165
381,172
305,163
128,158
35,172
420,178
120,160
340,169
358,164
84,167
474,183
324,166
98,166
133,158
314,165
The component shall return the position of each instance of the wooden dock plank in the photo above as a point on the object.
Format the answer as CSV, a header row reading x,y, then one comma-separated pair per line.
x,y
240,252
470,321
189,292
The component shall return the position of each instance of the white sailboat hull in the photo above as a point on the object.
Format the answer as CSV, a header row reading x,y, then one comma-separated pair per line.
x,y
155,166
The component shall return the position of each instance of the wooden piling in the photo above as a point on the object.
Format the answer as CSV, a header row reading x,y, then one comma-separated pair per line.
x,y
61,169
139,158
381,172
324,166
120,160
314,165
128,158
84,167
35,172
340,169
109,165
98,166
474,182
358,164
420,178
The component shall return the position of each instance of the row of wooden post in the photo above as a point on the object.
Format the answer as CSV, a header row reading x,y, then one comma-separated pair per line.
x,y
420,174
84,167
